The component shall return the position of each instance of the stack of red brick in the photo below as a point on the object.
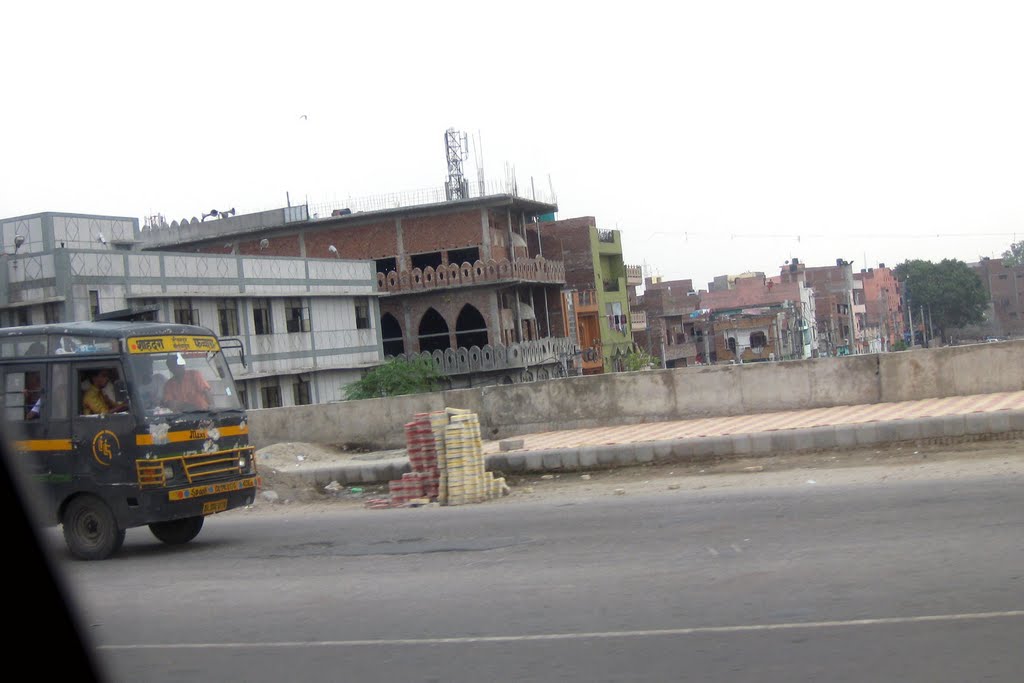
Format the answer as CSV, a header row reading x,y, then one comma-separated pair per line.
x,y
423,482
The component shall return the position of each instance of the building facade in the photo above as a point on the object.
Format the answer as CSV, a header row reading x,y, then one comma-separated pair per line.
x,y
884,322
598,280
754,318
839,314
466,283
670,333
1004,284
308,327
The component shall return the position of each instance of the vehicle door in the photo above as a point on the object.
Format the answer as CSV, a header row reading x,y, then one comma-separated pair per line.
x,y
103,442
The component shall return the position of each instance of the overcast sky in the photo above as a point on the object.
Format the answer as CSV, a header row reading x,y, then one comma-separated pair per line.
x,y
719,137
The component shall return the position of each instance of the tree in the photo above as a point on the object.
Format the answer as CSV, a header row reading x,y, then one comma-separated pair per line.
x,y
395,378
1014,256
638,359
950,292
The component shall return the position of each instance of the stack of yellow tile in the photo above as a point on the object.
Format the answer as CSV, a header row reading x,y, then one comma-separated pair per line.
x,y
460,458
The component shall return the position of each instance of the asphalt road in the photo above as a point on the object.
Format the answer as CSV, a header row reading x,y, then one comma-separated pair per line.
x,y
918,580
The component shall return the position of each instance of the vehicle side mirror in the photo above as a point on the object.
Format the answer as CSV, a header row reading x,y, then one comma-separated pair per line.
x,y
121,391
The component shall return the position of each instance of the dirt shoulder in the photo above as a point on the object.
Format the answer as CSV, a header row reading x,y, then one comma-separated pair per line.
x,y
996,458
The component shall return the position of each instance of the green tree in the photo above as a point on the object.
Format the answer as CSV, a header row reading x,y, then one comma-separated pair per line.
x,y
950,292
395,378
1014,256
638,359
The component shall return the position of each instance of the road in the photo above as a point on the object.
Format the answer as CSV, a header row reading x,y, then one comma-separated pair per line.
x,y
872,578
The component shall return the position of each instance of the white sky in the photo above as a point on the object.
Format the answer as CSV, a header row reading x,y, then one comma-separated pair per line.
x,y
712,134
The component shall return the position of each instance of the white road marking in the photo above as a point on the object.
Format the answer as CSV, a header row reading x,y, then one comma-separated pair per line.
x,y
697,630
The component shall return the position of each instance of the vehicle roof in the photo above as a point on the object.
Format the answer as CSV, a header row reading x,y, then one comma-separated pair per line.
x,y
114,329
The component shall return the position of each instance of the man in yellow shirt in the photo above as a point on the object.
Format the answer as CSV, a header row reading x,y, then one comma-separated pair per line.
x,y
94,401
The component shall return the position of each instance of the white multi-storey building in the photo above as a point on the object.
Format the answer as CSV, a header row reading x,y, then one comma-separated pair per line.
x,y
308,326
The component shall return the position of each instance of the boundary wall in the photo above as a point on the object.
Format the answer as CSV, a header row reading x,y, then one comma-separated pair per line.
x,y
659,395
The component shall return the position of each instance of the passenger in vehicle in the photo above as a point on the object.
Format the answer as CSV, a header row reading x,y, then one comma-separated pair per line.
x,y
94,399
33,395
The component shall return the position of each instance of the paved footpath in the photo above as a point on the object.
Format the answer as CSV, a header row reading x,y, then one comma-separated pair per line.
x,y
934,420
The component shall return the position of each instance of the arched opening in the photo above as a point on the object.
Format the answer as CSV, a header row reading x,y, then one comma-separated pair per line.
x,y
732,345
470,328
391,334
433,332
758,340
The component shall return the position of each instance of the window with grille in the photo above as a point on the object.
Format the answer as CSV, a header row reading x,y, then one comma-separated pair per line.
x,y
227,317
362,314
271,395
184,314
298,315
261,319
301,391
51,312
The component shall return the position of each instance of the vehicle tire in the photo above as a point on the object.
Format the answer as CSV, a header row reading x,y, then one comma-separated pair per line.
x,y
177,531
90,530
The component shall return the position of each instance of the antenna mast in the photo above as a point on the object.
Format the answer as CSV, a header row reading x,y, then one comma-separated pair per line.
x,y
455,144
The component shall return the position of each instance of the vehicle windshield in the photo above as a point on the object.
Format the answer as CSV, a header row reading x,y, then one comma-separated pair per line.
x,y
182,381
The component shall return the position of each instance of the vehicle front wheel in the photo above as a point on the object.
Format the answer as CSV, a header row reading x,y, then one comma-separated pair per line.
x,y
90,530
177,531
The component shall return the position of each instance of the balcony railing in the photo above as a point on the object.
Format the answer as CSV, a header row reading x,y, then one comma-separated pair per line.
x,y
634,275
523,355
585,300
453,275
613,285
639,320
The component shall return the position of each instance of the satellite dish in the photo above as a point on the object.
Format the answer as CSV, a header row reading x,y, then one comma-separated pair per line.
x,y
100,238
20,240
333,249
264,243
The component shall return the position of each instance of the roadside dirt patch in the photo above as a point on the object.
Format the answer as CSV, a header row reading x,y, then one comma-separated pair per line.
x,y
818,469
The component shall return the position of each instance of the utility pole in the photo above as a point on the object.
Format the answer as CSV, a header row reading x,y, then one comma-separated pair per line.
x,y
910,312
924,329
931,330
913,337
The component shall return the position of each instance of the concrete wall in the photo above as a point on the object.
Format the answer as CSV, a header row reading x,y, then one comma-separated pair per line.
x,y
658,395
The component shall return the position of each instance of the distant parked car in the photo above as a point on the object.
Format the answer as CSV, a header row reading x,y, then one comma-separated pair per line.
x,y
992,339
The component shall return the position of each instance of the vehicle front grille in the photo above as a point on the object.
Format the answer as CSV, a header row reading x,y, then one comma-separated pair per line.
x,y
196,467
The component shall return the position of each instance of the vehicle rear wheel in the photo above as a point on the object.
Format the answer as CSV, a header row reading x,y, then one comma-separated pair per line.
x,y
90,530
177,531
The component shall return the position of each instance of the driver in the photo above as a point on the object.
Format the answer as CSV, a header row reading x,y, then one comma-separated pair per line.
x,y
186,389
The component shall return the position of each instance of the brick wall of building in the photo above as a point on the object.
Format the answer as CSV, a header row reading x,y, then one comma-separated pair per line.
x,y
373,241
425,234
1005,287
278,245
882,301
574,237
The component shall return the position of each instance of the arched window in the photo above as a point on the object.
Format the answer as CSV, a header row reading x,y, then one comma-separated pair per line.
x,y
391,334
433,332
470,328
732,345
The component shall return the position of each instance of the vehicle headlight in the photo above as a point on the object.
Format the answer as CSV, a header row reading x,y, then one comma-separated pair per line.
x,y
243,462
168,472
